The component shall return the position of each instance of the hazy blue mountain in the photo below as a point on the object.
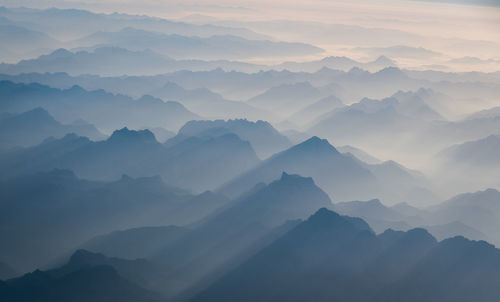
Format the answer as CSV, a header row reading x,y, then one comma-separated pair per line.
x,y
471,164
482,152
332,257
479,210
103,60
86,277
104,110
194,163
205,163
135,243
487,113
189,47
345,178
108,60
368,117
334,172
376,214
17,41
233,233
56,212
32,127
359,154
338,63
287,99
453,229
208,103
264,138
67,23
161,134
310,113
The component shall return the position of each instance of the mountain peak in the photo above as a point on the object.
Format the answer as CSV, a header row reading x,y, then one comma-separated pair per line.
x,y
126,135
315,144
325,219
295,178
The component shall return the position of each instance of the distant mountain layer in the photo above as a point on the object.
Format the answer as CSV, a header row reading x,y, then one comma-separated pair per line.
x,y
338,258
56,212
86,277
482,152
342,176
32,127
264,138
104,110
189,47
195,163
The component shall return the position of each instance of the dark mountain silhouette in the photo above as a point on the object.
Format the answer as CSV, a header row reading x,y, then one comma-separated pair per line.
x,y
332,257
194,163
56,212
264,138
238,230
32,127
104,110
86,277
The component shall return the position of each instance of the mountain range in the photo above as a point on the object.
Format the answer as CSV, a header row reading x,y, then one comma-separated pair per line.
x,y
333,257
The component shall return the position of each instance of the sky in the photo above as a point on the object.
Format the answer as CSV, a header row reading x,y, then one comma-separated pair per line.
x,y
454,32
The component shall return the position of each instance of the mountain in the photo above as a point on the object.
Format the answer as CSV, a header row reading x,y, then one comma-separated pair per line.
x,y
86,277
376,214
104,110
368,117
312,112
482,152
102,60
233,233
359,154
479,211
337,63
342,176
32,127
287,98
332,257
17,41
205,163
197,164
264,138
208,103
67,23
56,211
473,165
108,61
192,47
